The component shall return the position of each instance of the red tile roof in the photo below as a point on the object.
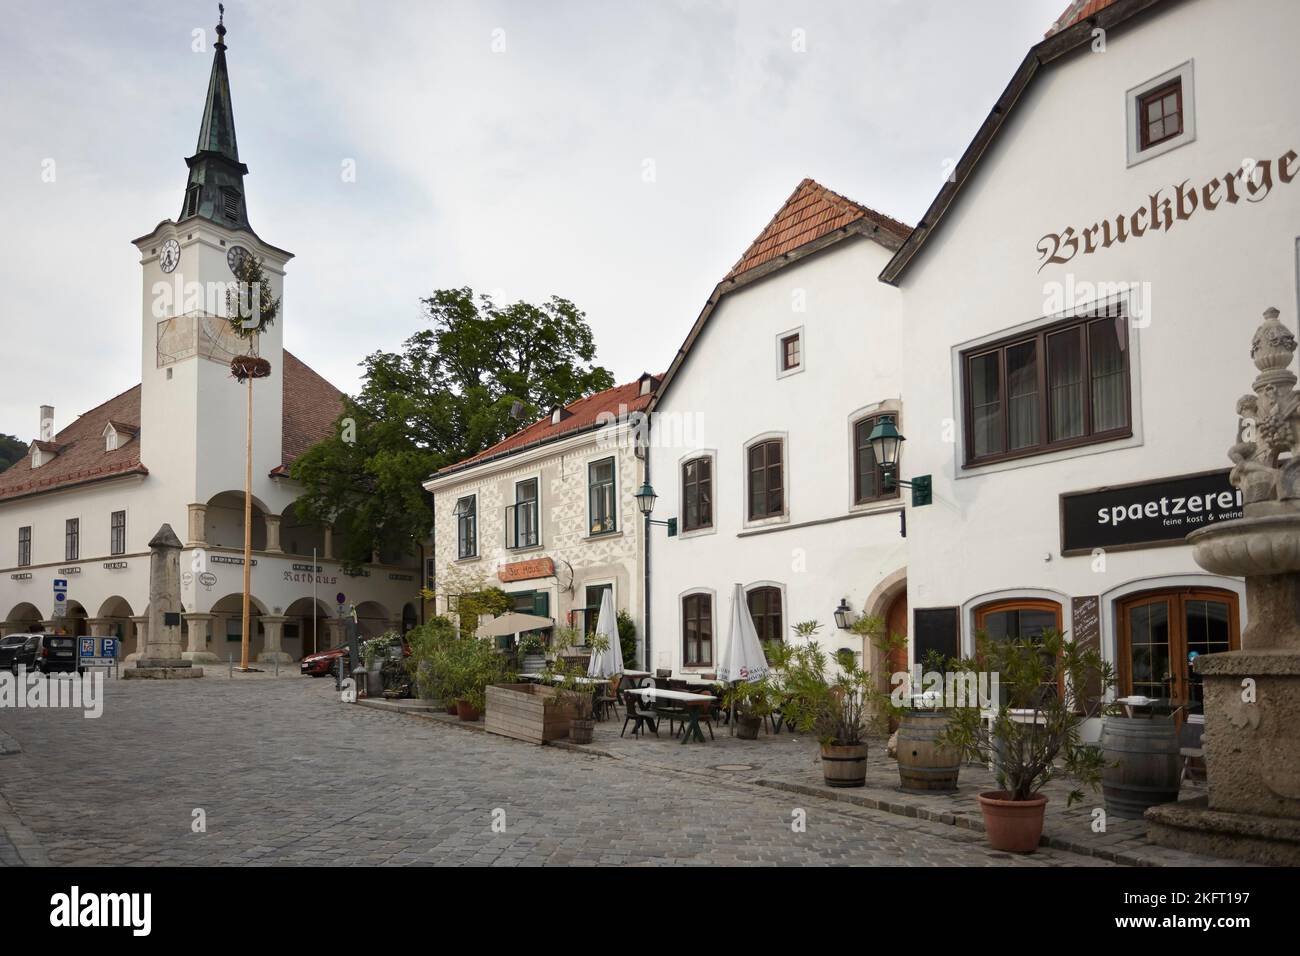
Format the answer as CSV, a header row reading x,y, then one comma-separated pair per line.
x,y
81,456
621,400
311,406
1076,11
812,211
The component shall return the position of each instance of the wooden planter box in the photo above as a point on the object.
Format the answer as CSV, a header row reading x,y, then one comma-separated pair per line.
x,y
528,712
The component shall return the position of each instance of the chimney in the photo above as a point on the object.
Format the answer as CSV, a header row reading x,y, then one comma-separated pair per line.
x,y
47,423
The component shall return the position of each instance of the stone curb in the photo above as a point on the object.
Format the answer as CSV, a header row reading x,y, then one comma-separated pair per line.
x,y
874,800
23,840
9,745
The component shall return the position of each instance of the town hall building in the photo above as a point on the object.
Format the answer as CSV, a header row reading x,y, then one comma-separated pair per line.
x,y
82,505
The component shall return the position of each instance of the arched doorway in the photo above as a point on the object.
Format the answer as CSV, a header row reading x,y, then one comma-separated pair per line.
x,y
373,619
227,627
304,633
1161,632
117,611
23,617
74,620
224,521
410,617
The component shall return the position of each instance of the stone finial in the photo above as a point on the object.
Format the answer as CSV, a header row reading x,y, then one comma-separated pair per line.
x,y
165,538
1265,466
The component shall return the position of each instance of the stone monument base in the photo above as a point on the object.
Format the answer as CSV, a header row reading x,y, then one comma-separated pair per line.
x,y
270,657
146,669
200,657
1191,826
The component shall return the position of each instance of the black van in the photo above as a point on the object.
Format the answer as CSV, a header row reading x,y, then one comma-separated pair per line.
x,y
56,652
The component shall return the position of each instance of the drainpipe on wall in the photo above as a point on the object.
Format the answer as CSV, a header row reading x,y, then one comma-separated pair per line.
x,y
646,596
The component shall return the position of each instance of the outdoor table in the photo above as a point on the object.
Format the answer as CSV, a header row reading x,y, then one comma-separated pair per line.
x,y
636,673
1137,700
692,712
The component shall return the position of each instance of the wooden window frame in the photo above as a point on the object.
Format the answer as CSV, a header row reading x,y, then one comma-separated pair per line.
x,y
1044,446
468,518
1144,125
794,339
767,466
1177,624
858,423
25,546
768,590
982,612
592,486
117,533
517,538
72,539
704,601
687,484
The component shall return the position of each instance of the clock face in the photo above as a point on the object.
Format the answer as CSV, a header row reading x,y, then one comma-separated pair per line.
x,y
235,257
170,256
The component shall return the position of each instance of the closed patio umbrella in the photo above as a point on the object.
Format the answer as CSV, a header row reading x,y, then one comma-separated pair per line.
x,y
608,662
743,659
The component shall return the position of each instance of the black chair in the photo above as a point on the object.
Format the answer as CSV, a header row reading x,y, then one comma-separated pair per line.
x,y
636,710
606,700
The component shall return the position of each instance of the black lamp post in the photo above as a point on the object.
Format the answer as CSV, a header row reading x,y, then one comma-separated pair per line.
x,y
885,441
645,501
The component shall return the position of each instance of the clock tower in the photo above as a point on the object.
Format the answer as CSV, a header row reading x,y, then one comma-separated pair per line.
x,y
192,410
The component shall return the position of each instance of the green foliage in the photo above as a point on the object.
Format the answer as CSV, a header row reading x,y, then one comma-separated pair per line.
x,y
1043,681
837,710
450,667
569,676
379,647
240,307
11,449
751,699
445,396
490,600
627,638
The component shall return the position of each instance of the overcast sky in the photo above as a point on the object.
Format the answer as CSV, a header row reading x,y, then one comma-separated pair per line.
x,y
620,154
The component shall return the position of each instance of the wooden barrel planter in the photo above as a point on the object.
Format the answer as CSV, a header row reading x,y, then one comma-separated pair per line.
x,y
747,727
1142,764
528,712
923,765
581,731
844,765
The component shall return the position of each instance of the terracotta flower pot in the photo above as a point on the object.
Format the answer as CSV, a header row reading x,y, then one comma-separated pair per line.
x,y
466,711
451,708
581,731
1013,826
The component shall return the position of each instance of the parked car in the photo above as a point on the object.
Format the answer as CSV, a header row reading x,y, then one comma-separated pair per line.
x,y
55,652
324,662
18,650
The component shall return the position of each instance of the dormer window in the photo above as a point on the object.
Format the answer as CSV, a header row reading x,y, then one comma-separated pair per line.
x,y
117,434
559,413
43,453
647,384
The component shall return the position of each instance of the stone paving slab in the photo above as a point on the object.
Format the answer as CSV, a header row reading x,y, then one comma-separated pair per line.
x,y
287,774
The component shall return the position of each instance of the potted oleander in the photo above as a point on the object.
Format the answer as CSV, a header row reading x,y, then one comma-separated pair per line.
x,y
750,703
1033,736
569,677
838,710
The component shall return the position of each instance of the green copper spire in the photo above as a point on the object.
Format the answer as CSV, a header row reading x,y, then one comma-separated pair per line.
x,y
215,190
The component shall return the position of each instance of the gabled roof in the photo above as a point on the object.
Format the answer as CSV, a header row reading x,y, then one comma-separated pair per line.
x,y
812,219
311,406
582,415
811,212
1071,32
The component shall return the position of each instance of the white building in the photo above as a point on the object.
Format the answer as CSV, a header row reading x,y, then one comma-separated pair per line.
x,y
89,497
1078,307
758,440
549,514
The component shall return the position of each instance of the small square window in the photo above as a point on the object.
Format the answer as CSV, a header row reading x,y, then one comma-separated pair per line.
x,y
1161,114
789,352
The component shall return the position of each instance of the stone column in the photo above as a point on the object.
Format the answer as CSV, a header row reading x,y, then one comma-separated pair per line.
x,y
198,529
161,653
8,627
272,534
55,624
141,624
200,628
333,631
328,531
100,626
272,633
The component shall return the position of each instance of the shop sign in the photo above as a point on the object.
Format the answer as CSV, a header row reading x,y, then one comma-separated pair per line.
x,y
1146,514
525,570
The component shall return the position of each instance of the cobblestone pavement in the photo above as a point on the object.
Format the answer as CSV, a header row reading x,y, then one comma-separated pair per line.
x,y
263,759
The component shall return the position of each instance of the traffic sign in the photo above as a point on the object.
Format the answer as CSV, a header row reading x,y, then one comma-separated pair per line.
x,y
60,584
87,647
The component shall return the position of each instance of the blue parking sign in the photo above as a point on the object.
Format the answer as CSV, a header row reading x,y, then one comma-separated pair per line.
x,y
108,647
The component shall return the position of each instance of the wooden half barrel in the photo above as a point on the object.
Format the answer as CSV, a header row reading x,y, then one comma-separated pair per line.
x,y
1142,764
922,763
844,765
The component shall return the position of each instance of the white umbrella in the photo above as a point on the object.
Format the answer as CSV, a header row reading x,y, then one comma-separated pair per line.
x,y
608,662
743,660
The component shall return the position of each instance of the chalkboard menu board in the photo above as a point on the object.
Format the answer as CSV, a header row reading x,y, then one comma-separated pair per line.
x,y
936,628
1085,616
1146,514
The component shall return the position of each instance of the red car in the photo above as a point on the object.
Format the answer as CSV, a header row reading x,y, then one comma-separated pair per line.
x,y
325,662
